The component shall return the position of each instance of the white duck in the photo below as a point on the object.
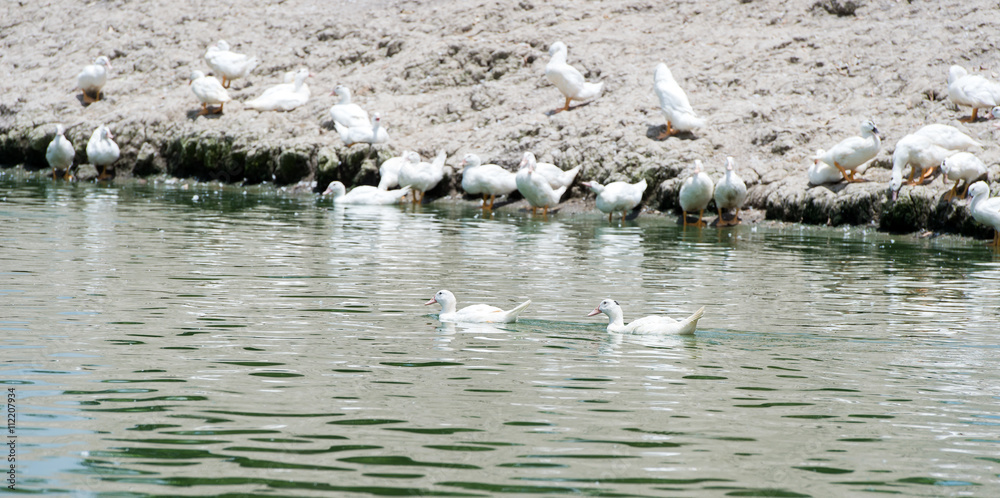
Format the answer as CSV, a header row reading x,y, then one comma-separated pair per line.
x,y
59,154
535,187
662,325
674,103
92,79
477,313
820,173
617,197
921,154
102,150
230,65
962,166
730,193
345,112
972,90
985,209
284,96
696,192
486,179
567,79
370,135
423,176
851,153
364,194
209,91
388,172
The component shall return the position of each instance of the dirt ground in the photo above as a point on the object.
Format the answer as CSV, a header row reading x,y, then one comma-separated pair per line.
x,y
774,81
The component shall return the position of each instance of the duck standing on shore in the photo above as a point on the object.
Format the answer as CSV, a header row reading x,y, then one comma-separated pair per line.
x,y
102,150
422,176
851,153
961,167
567,79
92,78
971,90
535,187
227,64
730,193
370,134
696,192
986,210
617,197
59,154
673,103
209,92
924,150
388,172
490,180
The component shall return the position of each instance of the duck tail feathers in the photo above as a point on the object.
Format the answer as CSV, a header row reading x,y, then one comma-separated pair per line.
x,y
511,316
570,174
590,90
688,122
689,324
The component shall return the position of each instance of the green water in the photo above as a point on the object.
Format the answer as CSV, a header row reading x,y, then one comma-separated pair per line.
x,y
205,341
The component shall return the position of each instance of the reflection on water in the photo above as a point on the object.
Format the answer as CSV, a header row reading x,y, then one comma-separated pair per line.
x,y
165,341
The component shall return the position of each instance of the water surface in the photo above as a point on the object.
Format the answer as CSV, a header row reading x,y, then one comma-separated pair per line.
x,y
171,341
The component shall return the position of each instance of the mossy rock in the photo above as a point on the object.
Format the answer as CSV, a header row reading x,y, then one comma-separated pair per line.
x,y
906,214
258,165
293,166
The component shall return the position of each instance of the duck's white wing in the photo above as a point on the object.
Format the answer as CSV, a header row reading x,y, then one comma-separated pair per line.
x,y
209,90
672,97
978,91
948,137
696,192
565,77
350,115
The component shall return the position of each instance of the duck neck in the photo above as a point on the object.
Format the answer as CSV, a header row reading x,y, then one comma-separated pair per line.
x,y
976,200
448,306
559,57
616,320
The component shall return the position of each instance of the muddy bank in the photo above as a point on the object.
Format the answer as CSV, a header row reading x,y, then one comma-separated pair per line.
x,y
774,81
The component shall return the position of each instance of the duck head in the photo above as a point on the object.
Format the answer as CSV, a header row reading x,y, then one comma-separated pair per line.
x,y
195,75
336,189
527,161
607,307
470,161
446,299
868,127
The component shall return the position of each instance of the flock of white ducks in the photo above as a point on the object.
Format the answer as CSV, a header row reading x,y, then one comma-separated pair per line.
x,y
543,184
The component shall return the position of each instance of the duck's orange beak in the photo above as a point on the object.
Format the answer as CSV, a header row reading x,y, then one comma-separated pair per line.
x,y
432,301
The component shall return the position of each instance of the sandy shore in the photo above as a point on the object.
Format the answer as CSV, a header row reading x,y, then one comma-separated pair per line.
x,y
774,81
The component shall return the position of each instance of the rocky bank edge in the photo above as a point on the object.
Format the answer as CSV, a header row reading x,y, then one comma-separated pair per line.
x,y
774,79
